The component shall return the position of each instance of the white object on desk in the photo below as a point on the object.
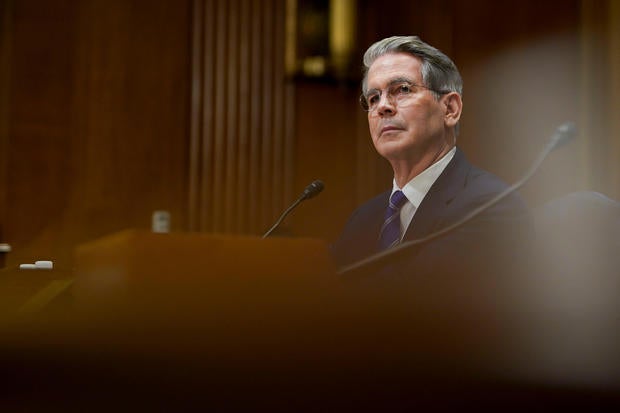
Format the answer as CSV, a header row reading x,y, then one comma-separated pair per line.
x,y
161,221
44,264
38,265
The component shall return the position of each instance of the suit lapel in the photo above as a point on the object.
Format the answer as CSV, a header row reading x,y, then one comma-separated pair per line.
x,y
364,233
376,217
431,211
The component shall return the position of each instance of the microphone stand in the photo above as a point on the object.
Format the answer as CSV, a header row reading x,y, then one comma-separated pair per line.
x,y
310,191
284,215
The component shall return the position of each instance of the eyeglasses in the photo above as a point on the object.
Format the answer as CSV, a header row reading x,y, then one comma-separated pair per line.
x,y
397,94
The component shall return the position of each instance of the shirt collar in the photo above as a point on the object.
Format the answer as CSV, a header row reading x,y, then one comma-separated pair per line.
x,y
416,189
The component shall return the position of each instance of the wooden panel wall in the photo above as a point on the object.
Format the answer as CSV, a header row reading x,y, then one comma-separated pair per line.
x,y
600,41
5,52
111,109
97,121
522,73
241,165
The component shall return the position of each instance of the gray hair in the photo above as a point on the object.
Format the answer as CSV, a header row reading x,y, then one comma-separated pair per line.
x,y
438,71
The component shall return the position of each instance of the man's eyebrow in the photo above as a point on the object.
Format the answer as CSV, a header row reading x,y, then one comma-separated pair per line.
x,y
400,80
393,82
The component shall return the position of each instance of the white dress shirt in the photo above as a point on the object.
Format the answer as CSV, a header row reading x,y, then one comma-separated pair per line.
x,y
416,189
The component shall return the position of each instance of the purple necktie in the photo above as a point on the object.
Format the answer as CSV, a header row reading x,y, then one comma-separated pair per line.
x,y
390,231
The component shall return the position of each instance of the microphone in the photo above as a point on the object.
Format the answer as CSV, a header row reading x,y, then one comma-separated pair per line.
x,y
563,134
311,191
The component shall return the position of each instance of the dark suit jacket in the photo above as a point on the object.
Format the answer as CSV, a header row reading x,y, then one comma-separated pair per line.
x,y
493,239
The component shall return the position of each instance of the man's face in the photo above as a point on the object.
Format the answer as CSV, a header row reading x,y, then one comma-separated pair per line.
x,y
410,129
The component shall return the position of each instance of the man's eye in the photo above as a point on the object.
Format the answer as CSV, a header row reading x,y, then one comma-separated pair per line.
x,y
403,89
372,99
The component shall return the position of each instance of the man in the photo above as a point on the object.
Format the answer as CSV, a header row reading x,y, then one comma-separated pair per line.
x,y
412,93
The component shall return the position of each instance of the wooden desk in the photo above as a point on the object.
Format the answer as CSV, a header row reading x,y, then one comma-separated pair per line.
x,y
221,332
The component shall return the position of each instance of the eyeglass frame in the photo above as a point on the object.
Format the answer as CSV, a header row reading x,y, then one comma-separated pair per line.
x,y
392,98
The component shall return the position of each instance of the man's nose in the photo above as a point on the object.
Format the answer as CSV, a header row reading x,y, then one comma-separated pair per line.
x,y
385,106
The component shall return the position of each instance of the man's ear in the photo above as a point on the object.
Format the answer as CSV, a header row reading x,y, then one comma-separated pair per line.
x,y
454,106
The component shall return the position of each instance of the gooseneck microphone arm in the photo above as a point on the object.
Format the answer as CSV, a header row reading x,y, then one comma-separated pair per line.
x,y
284,215
563,134
311,191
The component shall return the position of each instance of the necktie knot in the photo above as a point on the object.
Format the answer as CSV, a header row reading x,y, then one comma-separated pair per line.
x,y
397,200
390,231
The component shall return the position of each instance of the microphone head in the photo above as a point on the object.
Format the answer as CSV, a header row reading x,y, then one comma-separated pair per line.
x,y
313,189
563,134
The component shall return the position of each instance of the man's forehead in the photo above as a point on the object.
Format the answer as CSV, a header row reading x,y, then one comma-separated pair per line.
x,y
390,67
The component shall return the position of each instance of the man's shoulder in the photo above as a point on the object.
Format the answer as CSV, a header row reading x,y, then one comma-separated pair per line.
x,y
467,187
480,185
358,238
371,205
473,176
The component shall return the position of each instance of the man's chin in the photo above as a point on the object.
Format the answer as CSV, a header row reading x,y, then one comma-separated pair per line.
x,y
391,149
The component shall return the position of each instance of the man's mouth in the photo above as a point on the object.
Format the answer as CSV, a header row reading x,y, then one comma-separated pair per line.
x,y
389,128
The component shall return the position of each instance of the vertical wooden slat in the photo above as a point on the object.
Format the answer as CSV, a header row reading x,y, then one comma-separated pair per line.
x,y
220,117
207,120
278,111
5,75
597,104
289,142
245,127
243,178
232,115
285,93
266,113
195,113
255,145
589,63
614,137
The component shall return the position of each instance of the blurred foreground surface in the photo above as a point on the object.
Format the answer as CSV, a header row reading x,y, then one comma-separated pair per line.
x,y
125,332
307,347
